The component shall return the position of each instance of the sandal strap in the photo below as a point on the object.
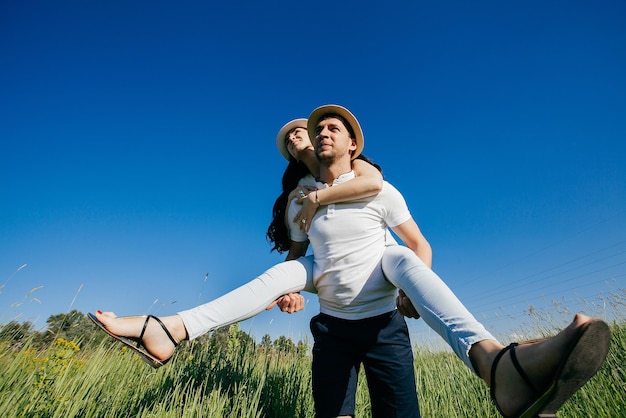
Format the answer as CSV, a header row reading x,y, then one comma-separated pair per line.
x,y
521,371
492,385
167,332
518,367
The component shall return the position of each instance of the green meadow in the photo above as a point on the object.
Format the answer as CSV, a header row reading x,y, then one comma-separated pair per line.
x,y
79,372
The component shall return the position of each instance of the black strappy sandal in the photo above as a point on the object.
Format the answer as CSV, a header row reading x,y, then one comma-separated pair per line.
x,y
580,362
136,344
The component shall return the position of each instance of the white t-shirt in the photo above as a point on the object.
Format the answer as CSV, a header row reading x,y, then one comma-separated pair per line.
x,y
348,240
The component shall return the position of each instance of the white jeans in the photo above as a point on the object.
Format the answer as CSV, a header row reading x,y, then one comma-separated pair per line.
x,y
437,305
434,301
252,298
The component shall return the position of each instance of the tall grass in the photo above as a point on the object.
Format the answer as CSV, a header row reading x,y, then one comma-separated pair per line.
x,y
246,381
113,382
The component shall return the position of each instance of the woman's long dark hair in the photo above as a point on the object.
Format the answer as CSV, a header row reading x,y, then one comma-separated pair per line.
x,y
277,232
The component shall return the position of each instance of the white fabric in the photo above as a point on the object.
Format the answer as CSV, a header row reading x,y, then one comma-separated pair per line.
x,y
348,240
295,234
435,302
437,305
250,299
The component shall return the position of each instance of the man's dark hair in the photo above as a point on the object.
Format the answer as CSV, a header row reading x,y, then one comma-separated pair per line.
x,y
342,119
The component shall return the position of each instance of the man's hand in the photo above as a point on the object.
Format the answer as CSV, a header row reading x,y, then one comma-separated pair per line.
x,y
290,303
405,307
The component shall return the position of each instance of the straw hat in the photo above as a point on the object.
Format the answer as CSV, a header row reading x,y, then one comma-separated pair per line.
x,y
322,111
280,138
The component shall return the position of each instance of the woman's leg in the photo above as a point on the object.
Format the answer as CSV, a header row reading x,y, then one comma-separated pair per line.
x,y
533,377
251,298
237,305
437,305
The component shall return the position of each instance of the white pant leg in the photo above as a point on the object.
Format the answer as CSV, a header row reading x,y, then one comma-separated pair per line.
x,y
437,305
250,299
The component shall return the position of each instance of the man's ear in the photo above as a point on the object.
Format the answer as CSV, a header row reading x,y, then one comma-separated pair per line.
x,y
353,146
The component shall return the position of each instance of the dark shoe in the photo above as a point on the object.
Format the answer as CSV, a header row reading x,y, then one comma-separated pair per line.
x,y
136,344
580,362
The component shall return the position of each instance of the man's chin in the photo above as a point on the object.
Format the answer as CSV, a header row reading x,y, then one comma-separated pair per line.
x,y
323,156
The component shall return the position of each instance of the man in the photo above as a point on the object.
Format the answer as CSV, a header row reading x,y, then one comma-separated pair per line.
x,y
358,323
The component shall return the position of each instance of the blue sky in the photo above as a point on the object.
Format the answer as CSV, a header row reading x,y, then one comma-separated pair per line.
x,y
138,166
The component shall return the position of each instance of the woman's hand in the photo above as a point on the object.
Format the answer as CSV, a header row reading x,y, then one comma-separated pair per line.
x,y
306,197
305,216
300,192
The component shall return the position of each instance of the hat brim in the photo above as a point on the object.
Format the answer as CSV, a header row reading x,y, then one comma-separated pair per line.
x,y
281,144
322,111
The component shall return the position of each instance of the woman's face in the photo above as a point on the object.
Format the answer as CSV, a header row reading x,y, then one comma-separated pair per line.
x,y
298,141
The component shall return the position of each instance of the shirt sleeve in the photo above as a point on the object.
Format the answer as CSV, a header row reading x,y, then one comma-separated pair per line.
x,y
295,233
397,211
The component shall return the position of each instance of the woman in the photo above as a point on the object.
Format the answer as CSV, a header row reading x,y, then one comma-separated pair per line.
x,y
529,384
160,336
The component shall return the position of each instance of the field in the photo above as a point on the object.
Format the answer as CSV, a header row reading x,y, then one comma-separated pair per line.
x,y
228,375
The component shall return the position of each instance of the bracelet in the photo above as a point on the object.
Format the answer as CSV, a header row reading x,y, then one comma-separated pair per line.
x,y
317,200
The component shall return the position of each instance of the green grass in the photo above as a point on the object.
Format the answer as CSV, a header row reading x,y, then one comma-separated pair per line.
x,y
240,380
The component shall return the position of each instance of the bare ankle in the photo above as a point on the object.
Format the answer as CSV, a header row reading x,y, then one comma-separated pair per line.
x,y
177,328
482,355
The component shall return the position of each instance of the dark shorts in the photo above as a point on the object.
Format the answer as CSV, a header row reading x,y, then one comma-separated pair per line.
x,y
382,345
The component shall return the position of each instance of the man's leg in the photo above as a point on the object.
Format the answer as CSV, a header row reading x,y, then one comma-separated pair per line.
x,y
389,368
335,368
